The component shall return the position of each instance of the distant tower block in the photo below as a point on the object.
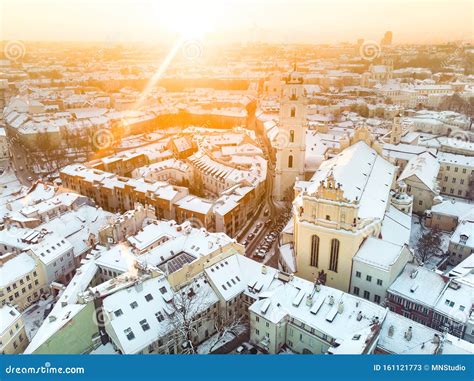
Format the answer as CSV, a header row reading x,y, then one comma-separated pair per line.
x,y
290,141
396,133
387,38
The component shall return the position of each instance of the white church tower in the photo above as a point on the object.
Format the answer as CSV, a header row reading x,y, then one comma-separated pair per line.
x,y
290,141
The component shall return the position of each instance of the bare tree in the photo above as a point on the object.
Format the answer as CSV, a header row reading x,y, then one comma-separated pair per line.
x,y
225,324
188,313
428,245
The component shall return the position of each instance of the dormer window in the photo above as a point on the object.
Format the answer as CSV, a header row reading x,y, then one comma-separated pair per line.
x,y
292,112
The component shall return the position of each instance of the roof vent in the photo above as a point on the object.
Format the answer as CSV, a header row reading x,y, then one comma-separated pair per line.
x,y
331,300
340,307
391,330
408,334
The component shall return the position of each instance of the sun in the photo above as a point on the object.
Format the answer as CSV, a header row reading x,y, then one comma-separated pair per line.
x,y
189,18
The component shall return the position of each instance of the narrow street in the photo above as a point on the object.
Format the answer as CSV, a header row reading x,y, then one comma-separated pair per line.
x,y
19,161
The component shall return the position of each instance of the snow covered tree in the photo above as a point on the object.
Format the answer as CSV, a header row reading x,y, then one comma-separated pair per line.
x,y
224,325
190,314
428,245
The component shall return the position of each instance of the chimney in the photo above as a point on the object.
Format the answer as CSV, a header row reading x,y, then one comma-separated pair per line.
x,y
331,300
264,269
408,334
340,307
391,330
309,300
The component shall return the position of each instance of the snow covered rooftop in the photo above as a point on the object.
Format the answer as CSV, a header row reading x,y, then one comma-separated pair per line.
x,y
8,315
16,268
330,311
396,226
378,253
425,167
464,234
67,306
453,207
139,314
50,248
394,338
419,284
364,176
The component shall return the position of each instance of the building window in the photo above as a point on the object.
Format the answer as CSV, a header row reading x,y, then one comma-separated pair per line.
x,y
292,112
356,291
358,274
314,250
148,297
367,295
159,316
290,161
130,335
292,136
377,299
379,282
369,278
257,332
144,324
334,255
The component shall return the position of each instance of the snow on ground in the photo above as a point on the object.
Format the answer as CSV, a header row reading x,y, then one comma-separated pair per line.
x,y
417,230
33,316
104,349
214,342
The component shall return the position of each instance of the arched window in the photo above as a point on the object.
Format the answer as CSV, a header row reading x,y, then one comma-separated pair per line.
x,y
290,161
292,136
314,250
293,112
334,255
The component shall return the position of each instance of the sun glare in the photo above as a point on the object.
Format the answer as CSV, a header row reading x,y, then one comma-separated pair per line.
x,y
188,18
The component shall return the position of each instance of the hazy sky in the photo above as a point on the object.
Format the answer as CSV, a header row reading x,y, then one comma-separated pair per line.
x,y
308,21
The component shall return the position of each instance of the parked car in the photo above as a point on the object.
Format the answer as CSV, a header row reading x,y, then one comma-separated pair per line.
x,y
251,236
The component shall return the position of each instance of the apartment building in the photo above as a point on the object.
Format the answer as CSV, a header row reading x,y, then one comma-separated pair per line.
x,y
13,338
22,279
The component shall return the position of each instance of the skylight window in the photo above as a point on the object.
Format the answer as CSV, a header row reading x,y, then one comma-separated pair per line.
x,y
129,333
163,290
134,305
145,325
148,297
118,313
